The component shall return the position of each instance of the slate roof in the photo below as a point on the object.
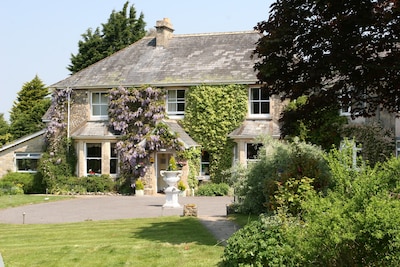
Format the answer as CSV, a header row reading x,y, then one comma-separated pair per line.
x,y
23,140
188,59
251,129
182,135
93,130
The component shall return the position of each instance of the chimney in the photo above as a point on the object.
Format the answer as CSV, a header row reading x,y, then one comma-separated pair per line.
x,y
163,32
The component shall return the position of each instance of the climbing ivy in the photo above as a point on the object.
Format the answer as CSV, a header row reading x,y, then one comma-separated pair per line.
x,y
211,113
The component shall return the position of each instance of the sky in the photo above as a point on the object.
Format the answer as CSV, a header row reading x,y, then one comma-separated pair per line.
x,y
38,37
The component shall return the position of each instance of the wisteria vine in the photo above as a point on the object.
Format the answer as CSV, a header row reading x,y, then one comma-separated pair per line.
x,y
137,113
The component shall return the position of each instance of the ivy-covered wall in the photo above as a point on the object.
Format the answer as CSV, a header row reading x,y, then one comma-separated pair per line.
x,y
211,113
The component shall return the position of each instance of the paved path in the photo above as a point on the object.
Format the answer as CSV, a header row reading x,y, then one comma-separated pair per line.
x,y
211,211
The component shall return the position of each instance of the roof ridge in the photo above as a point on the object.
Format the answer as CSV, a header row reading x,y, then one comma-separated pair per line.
x,y
213,33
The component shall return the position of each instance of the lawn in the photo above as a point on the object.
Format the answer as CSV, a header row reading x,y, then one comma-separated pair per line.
x,y
9,201
163,241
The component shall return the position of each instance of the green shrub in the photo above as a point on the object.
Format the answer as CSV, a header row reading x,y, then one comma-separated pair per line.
x,y
278,163
259,243
212,189
25,180
102,183
9,188
355,223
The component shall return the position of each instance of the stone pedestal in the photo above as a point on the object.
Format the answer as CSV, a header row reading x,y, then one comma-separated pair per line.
x,y
171,197
171,192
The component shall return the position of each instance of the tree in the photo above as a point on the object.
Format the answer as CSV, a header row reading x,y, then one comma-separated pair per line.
x,y
5,136
121,30
346,51
320,125
29,108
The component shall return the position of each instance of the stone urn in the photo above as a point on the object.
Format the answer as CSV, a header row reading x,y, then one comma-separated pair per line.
x,y
171,192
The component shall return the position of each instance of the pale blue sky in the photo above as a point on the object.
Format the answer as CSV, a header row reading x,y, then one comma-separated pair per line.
x,y
38,37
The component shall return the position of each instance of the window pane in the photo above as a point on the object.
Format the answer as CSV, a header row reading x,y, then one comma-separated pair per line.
x,y
93,166
113,152
104,110
171,107
93,150
113,166
255,94
181,107
27,164
171,94
96,110
252,150
180,94
265,107
104,98
264,94
95,98
255,108
205,156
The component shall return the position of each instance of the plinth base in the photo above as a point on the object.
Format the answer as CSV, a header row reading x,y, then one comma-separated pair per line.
x,y
171,197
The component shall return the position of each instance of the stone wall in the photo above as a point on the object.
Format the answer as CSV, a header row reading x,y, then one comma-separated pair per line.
x,y
7,156
80,109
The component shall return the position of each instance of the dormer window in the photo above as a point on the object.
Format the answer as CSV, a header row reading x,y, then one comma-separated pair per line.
x,y
176,103
99,105
259,103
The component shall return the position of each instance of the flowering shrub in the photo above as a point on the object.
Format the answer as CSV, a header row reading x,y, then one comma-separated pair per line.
x,y
59,159
136,113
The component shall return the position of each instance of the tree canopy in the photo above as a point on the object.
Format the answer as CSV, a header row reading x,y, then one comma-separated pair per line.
x,y
122,29
343,50
5,136
27,112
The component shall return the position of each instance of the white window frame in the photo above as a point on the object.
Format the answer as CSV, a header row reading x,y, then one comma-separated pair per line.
x,y
95,172
176,101
26,155
397,148
260,102
101,104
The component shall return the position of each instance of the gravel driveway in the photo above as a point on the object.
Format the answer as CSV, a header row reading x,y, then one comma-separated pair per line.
x,y
97,208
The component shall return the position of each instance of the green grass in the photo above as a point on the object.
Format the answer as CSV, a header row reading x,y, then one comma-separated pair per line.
x,y
242,219
163,241
9,201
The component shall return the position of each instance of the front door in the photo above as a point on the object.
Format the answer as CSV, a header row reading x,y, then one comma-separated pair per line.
x,y
162,164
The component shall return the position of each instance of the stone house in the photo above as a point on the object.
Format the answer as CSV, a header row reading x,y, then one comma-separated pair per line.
x,y
174,63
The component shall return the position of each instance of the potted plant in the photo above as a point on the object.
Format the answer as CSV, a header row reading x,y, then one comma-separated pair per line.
x,y
172,175
182,188
139,188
